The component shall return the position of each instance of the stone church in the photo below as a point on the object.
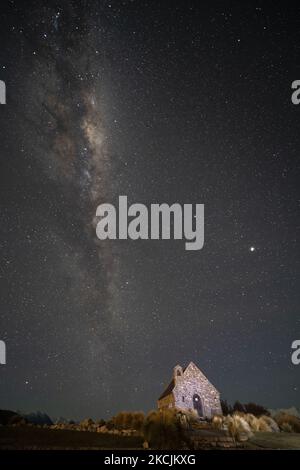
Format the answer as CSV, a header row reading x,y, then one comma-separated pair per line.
x,y
190,390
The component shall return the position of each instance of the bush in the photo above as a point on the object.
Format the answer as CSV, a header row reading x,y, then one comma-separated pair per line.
x,y
218,422
226,408
239,407
242,425
238,427
138,419
284,419
255,409
252,421
286,427
271,423
263,425
163,430
99,422
252,408
127,420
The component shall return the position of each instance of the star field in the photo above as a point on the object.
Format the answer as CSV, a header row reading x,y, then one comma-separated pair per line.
x,y
174,102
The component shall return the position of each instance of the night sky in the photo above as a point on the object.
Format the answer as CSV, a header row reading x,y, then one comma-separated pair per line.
x,y
180,101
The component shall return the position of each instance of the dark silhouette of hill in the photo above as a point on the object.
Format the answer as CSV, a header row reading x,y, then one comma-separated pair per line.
x,y
10,417
38,417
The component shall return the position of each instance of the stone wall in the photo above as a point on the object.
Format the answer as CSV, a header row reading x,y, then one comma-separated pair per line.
x,y
166,402
199,441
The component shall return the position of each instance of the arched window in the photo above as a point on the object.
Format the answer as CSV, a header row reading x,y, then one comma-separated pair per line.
x,y
197,402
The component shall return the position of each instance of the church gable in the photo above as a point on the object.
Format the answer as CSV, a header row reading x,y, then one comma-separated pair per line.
x,y
192,371
191,390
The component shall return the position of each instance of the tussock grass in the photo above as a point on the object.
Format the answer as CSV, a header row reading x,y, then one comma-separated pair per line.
x,y
288,423
242,426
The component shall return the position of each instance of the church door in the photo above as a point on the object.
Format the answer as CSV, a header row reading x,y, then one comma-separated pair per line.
x,y
198,404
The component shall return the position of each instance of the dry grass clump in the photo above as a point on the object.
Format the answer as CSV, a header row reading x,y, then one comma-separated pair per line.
x,y
263,425
218,422
252,421
236,425
271,423
286,427
287,423
239,428
242,425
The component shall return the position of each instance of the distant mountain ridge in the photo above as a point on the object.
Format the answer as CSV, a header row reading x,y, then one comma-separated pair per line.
x,y
34,417
38,417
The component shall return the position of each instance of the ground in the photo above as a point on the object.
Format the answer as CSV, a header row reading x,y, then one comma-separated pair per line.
x,y
267,440
27,437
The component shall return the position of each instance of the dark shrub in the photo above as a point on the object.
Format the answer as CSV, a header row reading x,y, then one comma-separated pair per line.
x,y
226,408
163,430
283,418
256,410
239,407
127,420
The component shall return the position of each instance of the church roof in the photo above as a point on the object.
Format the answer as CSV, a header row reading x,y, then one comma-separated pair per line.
x,y
171,385
168,390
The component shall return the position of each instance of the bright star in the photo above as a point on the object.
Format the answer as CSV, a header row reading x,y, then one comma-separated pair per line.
x,y
252,248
